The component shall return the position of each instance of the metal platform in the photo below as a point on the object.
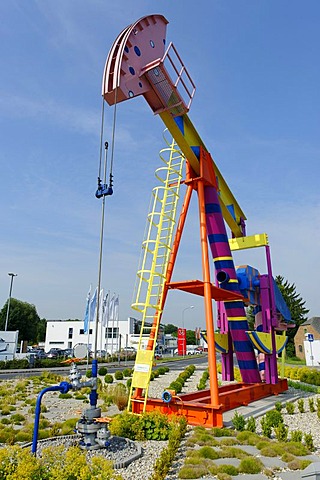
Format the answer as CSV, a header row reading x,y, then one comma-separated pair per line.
x,y
197,409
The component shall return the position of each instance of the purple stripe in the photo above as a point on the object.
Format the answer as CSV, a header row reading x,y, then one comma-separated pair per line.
x,y
216,226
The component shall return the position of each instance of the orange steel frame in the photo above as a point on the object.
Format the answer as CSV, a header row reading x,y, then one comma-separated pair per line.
x,y
205,407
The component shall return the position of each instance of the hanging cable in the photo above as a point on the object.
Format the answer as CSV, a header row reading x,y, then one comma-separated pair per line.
x,y
101,137
113,137
104,189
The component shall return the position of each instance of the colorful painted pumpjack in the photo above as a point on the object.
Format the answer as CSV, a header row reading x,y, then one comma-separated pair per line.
x,y
140,64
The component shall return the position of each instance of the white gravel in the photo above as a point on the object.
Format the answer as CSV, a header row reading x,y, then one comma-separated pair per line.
x,y
142,468
307,422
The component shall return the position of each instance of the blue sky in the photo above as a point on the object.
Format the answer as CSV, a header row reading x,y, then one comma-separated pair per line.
x,y
256,68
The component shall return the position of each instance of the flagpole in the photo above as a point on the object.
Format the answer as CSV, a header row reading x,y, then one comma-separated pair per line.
x,y
88,339
107,323
118,333
86,324
112,334
101,319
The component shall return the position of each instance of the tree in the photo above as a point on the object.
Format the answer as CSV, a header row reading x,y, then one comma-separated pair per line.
x,y
297,309
23,316
169,329
250,317
191,337
41,330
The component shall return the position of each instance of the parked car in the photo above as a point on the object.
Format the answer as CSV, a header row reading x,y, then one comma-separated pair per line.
x,y
55,353
198,350
41,354
129,350
67,353
102,353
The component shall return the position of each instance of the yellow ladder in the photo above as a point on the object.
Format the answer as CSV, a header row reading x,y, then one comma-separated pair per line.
x,y
154,259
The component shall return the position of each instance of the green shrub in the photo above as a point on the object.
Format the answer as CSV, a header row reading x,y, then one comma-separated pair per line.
x,y
229,441
23,436
295,448
127,372
297,464
102,371
222,432
89,373
251,425
232,452
311,405
278,406
229,469
250,465
79,396
68,427
290,408
161,370
296,436
129,382
281,432
192,471
265,427
248,438
274,418
202,439
118,375
65,395
184,376
125,425
190,369
108,378
5,411
287,457
270,451
262,444
308,440
301,405
149,426
239,422
175,386
208,452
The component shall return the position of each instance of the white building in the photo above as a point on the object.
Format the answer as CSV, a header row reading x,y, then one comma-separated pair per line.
x,y
69,333
111,338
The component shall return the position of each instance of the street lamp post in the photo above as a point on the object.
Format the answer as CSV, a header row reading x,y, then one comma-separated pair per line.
x,y
9,299
185,340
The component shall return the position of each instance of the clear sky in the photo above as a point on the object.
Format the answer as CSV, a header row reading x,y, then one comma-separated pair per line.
x,y
257,107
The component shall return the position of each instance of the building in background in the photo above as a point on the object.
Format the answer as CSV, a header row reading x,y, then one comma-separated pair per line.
x,y
112,337
8,345
308,330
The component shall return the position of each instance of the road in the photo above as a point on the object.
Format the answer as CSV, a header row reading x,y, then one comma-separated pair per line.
x,y
173,364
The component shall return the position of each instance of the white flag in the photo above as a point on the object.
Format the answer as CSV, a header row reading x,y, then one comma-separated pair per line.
x,y
116,309
111,307
101,305
105,310
93,306
86,315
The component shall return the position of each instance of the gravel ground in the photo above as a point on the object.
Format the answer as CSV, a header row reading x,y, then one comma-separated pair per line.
x,y
143,467
307,422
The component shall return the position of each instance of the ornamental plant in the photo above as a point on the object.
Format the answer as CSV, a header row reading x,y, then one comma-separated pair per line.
x,y
239,422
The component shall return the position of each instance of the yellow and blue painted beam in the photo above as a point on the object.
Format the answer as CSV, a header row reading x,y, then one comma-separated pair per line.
x,y
189,141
